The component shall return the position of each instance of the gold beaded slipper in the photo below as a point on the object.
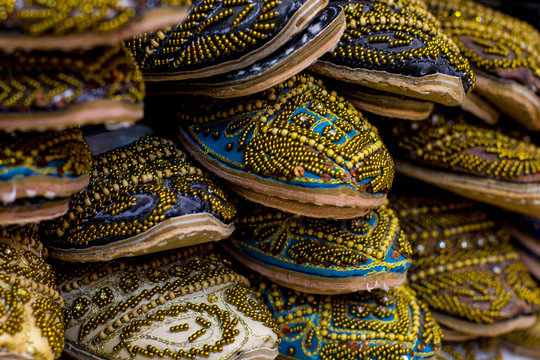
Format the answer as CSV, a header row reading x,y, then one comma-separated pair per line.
x,y
504,53
143,197
32,325
322,256
184,304
73,24
361,325
222,36
295,147
464,266
299,52
38,173
398,47
524,342
55,90
472,161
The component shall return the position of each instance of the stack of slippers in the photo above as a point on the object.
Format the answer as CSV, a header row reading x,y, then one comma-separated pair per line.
x,y
464,266
474,161
398,49
504,54
229,49
526,231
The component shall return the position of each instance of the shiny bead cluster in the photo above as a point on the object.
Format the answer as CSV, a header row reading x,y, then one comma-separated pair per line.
x,y
214,31
37,151
151,168
74,16
281,142
451,143
347,326
27,281
381,34
55,80
490,40
147,303
325,243
464,264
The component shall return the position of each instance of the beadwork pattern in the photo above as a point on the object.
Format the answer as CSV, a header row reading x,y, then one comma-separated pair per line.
x,y
28,296
62,17
133,188
214,32
397,36
492,41
50,153
363,325
297,132
50,81
372,244
463,263
449,142
196,292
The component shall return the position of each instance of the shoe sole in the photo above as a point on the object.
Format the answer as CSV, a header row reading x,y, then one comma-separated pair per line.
x,y
440,88
102,111
172,233
521,198
297,23
21,215
156,19
486,330
339,203
318,284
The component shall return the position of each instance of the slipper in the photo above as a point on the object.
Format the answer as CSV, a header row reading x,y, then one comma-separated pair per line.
x,y
56,90
362,325
32,324
143,197
321,35
481,349
68,25
398,47
473,161
464,266
525,342
322,256
179,304
295,147
38,173
221,36
503,52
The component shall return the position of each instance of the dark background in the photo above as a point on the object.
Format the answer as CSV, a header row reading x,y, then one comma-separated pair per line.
x,y
527,10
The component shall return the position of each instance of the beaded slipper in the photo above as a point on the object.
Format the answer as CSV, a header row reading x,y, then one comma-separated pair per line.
x,y
464,267
527,232
32,325
472,161
143,197
72,24
525,342
182,305
222,36
504,53
39,171
299,52
362,325
322,256
383,103
295,147
398,48
54,90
